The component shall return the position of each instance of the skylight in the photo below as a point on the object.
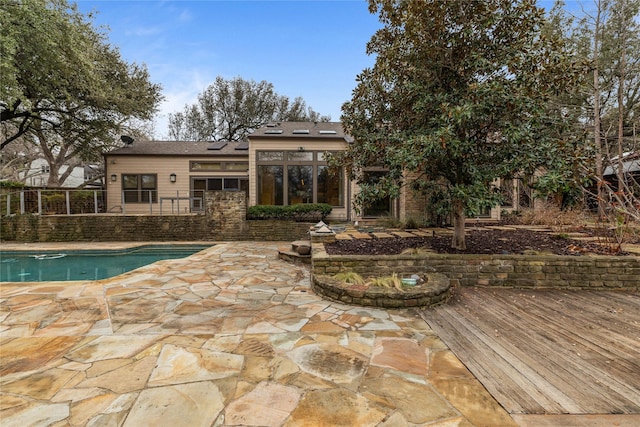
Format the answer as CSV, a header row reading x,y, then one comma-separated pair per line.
x,y
242,145
327,132
217,145
301,131
273,131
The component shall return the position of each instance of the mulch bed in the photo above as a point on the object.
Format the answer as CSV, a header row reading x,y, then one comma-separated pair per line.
x,y
478,242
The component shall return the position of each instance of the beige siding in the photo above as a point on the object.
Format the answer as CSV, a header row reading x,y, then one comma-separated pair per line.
x,y
163,167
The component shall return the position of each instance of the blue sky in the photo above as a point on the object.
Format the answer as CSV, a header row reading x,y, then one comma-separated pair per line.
x,y
312,49
308,48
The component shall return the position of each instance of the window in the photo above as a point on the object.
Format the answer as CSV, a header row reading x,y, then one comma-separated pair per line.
x,y
292,177
270,155
236,166
300,156
140,188
378,207
206,166
270,185
219,166
300,184
214,184
330,184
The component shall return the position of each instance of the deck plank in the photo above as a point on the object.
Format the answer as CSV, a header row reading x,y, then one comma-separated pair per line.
x,y
561,370
547,351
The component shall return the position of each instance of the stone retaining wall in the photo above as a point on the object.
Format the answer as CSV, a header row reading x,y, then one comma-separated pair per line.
x,y
138,228
225,220
435,291
518,271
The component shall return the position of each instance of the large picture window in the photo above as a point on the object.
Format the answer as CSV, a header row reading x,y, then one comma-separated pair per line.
x,y
292,177
330,184
140,188
300,184
270,185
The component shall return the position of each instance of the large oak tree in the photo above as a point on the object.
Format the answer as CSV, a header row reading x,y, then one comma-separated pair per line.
x,y
228,110
458,96
63,86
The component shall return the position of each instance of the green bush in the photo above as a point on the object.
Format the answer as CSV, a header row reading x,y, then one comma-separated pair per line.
x,y
11,184
82,201
54,202
299,212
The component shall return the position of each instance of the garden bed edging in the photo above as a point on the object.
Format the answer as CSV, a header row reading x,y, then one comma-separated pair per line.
x,y
514,271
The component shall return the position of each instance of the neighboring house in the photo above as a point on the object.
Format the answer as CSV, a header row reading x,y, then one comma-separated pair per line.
x,y
630,168
280,164
38,175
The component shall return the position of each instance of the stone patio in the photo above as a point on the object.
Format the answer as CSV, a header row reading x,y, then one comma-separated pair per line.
x,y
231,336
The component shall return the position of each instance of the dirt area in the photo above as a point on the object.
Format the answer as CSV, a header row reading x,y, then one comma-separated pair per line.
x,y
481,241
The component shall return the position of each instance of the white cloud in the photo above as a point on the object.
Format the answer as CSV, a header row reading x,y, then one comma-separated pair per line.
x,y
183,90
185,16
143,31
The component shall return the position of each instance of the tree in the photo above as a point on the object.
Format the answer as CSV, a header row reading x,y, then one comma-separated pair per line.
x,y
609,39
64,84
458,96
16,159
228,110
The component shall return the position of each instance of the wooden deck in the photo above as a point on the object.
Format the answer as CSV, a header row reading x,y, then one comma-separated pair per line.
x,y
547,351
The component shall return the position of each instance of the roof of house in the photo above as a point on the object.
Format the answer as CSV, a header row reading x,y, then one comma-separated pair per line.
x,y
306,130
278,130
183,148
630,163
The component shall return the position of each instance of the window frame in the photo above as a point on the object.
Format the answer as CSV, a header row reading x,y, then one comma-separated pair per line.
x,y
218,166
140,192
283,159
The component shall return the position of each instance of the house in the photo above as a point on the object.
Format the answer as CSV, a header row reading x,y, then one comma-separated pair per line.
x,y
38,175
630,169
280,164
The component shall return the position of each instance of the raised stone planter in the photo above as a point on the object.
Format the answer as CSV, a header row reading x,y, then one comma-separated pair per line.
x,y
436,290
513,271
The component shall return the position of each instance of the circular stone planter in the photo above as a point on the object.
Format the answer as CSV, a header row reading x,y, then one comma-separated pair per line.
x,y
436,290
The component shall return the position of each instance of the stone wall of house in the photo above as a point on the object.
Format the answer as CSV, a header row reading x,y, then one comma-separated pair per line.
x,y
225,220
518,271
413,204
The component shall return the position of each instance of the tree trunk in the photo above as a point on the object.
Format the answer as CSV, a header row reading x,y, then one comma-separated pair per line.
x,y
458,241
621,77
596,117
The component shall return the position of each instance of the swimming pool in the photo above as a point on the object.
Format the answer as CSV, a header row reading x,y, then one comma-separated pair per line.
x,y
49,266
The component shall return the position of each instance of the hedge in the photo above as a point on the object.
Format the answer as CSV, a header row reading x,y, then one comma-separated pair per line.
x,y
299,212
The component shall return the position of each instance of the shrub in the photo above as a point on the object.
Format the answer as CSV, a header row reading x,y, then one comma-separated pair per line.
x,y
82,201
410,223
349,277
54,202
552,216
11,184
299,212
392,281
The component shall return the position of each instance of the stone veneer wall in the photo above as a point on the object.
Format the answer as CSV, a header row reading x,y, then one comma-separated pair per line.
x,y
434,292
519,271
226,220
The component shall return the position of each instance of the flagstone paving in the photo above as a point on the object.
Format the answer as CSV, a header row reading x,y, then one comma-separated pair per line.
x,y
230,336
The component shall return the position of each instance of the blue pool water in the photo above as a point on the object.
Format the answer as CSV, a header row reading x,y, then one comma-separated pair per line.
x,y
44,266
